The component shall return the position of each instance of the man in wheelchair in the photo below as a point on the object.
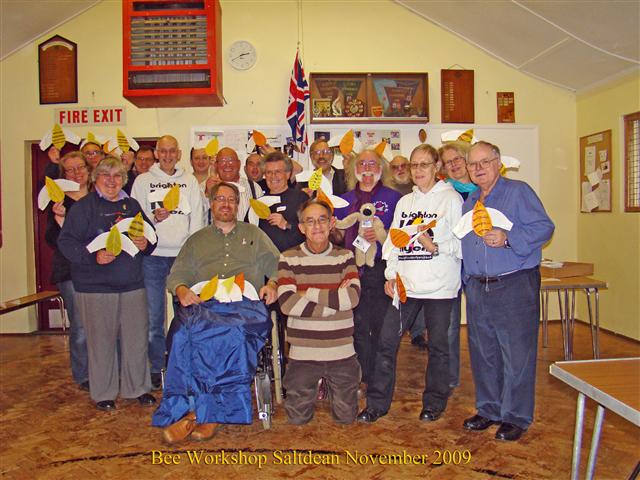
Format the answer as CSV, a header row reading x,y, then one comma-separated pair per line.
x,y
214,343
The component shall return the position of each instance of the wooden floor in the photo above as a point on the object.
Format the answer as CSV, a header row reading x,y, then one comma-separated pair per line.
x,y
50,429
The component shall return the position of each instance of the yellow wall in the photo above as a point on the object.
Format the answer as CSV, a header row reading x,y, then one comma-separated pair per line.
x,y
337,36
612,240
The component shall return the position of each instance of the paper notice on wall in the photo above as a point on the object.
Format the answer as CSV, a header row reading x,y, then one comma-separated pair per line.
x,y
604,194
591,200
595,138
589,159
586,189
595,177
602,154
236,139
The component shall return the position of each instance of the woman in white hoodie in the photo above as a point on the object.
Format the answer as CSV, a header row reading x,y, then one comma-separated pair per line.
x,y
429,269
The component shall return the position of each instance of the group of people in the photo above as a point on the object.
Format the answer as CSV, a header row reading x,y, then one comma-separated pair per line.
x,y
345,318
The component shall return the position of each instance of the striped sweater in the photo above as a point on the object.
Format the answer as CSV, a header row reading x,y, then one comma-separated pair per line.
x,y
320,323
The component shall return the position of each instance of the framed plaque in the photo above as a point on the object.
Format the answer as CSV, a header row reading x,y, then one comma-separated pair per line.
x,y
457,96
369,97
58,68
506,107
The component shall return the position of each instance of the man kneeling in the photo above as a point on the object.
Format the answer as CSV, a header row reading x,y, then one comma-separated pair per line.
x,y
318,287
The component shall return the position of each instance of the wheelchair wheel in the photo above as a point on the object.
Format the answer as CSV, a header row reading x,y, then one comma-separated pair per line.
x,y
264,399
276,358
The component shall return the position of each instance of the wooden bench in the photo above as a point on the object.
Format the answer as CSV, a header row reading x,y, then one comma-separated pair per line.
x,y
28,300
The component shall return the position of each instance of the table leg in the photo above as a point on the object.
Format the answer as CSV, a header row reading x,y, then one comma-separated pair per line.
x,y
595,327
63,312
564,326
572,318
544,298
577,437
597,294
595,442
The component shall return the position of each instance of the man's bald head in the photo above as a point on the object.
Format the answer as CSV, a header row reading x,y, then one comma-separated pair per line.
x,y
228,165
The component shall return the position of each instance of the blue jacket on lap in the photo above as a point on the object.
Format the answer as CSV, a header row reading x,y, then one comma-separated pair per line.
x,y
212,362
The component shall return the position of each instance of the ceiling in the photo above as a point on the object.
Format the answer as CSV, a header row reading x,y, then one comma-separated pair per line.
x,y
574,44
570,43
22,21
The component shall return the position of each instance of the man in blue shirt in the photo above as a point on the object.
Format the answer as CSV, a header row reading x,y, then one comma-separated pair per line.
x,y
502,285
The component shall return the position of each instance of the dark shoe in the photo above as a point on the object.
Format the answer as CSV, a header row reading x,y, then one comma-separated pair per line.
x,y
430,415
369,416
322,390
146,400
509,432
419,341
478,422
156,381
106,405
84,386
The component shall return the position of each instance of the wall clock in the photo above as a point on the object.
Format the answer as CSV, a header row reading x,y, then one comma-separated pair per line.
x,y
242,55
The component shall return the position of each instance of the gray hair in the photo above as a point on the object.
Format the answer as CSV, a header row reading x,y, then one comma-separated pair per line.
x,y
494,148
277,156
106,165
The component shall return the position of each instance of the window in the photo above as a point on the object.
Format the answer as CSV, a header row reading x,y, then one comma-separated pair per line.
x,y
632,162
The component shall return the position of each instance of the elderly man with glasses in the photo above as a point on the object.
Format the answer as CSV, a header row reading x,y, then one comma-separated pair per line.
x,y
318,288
370,171
322,157
502,285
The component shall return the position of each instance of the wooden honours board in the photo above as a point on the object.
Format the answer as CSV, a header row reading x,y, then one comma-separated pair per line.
x,y
457,96
58,68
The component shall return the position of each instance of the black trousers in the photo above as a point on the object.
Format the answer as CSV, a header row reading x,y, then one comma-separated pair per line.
x,y
437,315
369,316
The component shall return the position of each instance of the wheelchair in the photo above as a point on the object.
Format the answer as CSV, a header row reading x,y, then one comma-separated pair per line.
x,y
267,382
270,371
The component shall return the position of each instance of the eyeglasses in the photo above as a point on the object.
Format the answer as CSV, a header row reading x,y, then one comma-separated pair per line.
x,y
484,163
367,163
227,161
274,173
402,166
116,177
457,159
310,222
223,199
74,170
326,151
421,165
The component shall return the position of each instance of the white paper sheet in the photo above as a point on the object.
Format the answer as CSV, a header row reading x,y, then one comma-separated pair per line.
x,y
586,189
602,154
595,177
604,192
591,201
589,159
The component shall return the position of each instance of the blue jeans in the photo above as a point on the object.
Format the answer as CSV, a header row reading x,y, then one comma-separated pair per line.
x,y
156,269
77,339
454,342
503,319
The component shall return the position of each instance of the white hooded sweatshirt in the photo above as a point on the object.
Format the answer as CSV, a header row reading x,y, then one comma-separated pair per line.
x,y
149,190
425,275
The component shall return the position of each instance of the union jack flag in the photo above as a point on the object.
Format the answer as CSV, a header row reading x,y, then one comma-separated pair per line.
x,y
298,95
